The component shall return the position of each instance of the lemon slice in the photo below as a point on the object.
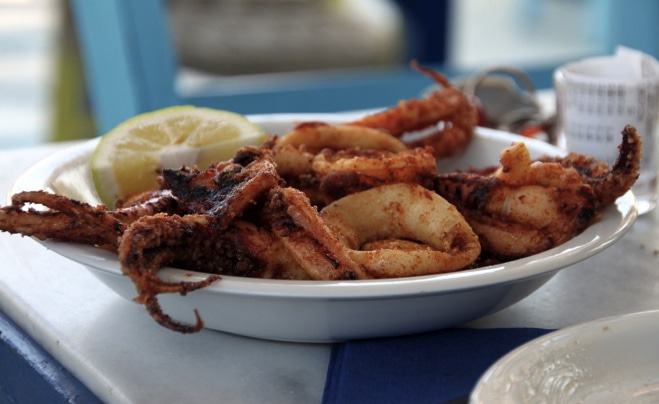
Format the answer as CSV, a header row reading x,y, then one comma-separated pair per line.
x,y
129,158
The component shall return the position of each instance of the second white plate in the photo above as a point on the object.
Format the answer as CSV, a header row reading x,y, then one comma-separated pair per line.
x,y
612,360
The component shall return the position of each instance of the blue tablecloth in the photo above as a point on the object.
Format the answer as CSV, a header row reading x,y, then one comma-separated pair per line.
x,y
433,367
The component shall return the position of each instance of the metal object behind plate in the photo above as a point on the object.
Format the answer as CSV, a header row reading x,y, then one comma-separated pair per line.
x,y
507,100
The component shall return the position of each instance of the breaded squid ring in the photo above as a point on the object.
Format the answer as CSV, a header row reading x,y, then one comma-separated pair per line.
x,y
407,229
294,151
342,173
316,136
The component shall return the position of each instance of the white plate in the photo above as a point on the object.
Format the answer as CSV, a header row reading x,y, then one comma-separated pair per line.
x,y
611,360
325,311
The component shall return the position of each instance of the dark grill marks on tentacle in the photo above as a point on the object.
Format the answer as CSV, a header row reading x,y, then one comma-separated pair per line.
x,y
227,189
146,204
197,240
66,220
609,183
202,197
625,170
152,243
301,230
155,311
465,190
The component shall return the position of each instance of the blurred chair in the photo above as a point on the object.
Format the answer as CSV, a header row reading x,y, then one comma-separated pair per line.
x,y
632,24
131,67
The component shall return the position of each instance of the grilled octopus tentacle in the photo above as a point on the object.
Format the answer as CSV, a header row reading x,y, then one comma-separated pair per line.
x,y
609,183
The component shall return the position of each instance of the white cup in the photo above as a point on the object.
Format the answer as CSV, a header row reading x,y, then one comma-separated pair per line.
x,y
597,97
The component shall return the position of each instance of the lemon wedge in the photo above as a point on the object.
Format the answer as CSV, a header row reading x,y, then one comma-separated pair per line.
x,y
129,158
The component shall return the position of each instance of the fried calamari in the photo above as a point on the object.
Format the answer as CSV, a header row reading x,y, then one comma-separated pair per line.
x,y
524,207
446,118
339,202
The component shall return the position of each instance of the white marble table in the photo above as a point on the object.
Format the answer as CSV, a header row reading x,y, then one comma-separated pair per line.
x,y
112,347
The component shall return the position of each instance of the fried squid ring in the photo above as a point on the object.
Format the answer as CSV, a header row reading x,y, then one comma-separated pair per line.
x,y
332,173
402,230
316,136
523,207
346,172
294,151
517,221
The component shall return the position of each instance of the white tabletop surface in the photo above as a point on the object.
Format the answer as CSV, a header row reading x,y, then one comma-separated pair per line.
x,y
113,347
